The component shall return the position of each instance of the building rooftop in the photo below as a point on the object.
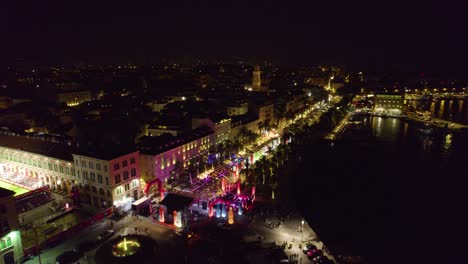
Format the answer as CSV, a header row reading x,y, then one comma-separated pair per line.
x,y
175,202
42,145
5,192
165,142
104,152
242,119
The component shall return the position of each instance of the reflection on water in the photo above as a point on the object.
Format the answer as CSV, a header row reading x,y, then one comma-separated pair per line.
x,y
452,110
394,181
386,129
440,114
448,142
396,132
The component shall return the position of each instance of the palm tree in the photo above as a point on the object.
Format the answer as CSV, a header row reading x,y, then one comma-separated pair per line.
x,y
243,132
262,165
252,137
261,127
177,170
236,145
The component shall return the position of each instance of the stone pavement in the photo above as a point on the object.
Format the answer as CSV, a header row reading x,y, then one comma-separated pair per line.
x,y
289,231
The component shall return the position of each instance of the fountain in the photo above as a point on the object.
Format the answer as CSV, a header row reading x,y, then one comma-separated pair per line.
x,y
125,248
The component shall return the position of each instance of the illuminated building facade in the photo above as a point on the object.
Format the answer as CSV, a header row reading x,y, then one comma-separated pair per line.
x,y
388,102
106,181
159,155
256,79
44,160
221,127
74,98
238,109
11,249
95,179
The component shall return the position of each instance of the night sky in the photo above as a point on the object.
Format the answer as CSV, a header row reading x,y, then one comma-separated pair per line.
x,y
370,34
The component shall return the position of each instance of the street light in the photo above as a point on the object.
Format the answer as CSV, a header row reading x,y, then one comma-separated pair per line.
x,y
302,231
37,244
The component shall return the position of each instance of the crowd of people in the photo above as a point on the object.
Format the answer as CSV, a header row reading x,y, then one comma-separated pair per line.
x,y
21,180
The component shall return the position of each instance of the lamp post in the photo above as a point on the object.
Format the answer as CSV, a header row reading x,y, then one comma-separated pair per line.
x,y
37,244
302,231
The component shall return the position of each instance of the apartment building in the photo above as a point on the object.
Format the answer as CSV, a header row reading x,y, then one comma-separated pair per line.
x,y
158,155
101,178
11,248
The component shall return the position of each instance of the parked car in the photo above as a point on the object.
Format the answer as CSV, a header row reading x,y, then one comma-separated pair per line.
x,y
68,257
105,235
314,253
308,247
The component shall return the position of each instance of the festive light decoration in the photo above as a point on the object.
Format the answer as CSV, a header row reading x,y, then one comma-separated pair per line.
x,y
161,214
238,187
179,219
223,184
174,215
273,194
231,216
218,211
239,212
223,210
210,209
253,191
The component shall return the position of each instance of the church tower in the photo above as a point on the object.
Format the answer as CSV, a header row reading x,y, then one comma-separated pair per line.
x,y
256,79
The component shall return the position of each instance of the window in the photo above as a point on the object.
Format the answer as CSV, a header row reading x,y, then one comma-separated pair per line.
x,y
83,163
117,178
99,178
107,180
108,193
34,163
55,168
118,190
50,166
78,174
92,176
87,187
91,165
93,188
98,166
85,175
105,168
133,171
127,187
125,175
67,170
124,163
116,166
132,160
61,168
101,191
134,183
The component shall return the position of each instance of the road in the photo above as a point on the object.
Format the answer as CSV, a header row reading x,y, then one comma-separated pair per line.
x,y
437,122
127,225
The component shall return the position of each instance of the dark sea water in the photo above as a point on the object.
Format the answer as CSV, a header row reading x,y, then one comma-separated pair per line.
x,y
388,192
